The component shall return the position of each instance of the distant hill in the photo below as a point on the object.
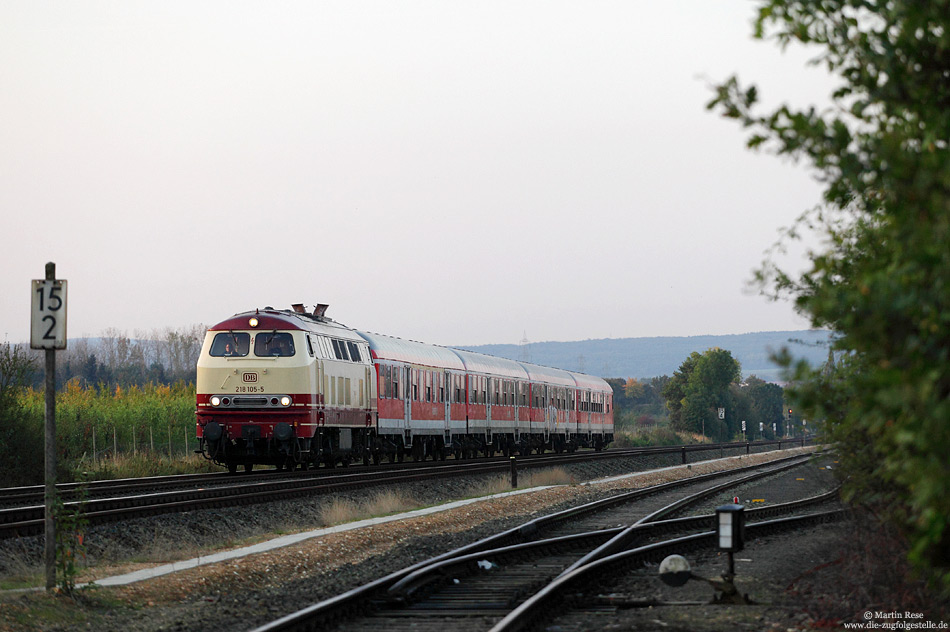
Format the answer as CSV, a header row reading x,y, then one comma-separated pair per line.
x,y
651,357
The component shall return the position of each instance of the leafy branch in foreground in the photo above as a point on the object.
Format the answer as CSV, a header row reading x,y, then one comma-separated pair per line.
x,y
882,281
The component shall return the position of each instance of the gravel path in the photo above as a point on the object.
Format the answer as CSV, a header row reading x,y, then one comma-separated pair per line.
x,y
242,594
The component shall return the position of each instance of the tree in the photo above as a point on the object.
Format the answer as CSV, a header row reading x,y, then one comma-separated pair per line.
x,y
699,388
766,401
882,283
675,391
21,447
634,389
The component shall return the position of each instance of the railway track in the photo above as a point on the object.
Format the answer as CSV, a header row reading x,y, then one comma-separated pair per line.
x,y
34,494
109,501
488,582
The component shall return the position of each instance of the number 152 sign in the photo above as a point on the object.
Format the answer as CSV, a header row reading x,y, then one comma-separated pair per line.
x,y
48,321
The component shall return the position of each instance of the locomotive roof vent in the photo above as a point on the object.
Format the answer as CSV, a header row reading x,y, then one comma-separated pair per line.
x,y
319,312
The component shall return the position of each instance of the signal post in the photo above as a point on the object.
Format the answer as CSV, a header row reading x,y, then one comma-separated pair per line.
x,y
48,331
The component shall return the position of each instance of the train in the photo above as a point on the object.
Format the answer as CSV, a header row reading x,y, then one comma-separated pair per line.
x,y
294,389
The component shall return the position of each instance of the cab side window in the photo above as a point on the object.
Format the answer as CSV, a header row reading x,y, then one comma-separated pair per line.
x,y
340,350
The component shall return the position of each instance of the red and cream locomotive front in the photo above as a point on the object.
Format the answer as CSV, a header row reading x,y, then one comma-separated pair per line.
x,y
255,391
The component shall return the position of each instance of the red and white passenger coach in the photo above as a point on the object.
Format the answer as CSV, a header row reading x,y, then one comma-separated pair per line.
x,y
295,389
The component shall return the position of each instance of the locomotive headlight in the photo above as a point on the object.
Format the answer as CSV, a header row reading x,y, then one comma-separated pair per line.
x,y
215,400
253,322
285,400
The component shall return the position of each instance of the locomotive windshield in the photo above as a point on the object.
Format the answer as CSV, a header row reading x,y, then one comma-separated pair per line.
x,y
274,344
231,344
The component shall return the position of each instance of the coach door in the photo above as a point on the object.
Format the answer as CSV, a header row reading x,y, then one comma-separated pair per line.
x,y
407,400
446,391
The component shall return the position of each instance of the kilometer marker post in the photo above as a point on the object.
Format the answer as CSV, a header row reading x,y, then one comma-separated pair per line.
x,y
48,331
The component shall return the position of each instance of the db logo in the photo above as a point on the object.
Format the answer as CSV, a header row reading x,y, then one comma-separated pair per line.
x,y
250,377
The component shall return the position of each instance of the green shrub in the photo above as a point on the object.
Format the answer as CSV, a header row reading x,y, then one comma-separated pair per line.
x,y
110,433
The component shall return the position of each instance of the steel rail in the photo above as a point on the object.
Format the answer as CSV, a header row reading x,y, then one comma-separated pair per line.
x,y
606,541
541,605
26,521
513,541
625,538
404,589
34,494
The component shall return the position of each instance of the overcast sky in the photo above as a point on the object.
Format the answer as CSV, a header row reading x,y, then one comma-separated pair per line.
x,y
452,172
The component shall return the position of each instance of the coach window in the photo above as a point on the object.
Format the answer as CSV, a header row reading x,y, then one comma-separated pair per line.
x,y
274,344
230,344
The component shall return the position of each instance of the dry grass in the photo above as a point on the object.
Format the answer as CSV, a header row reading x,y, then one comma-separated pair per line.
x,y
383,503
547,476
141,465
388,502
526,480
16,571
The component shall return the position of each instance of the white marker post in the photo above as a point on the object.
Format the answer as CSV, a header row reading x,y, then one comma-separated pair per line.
x,y
48,331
